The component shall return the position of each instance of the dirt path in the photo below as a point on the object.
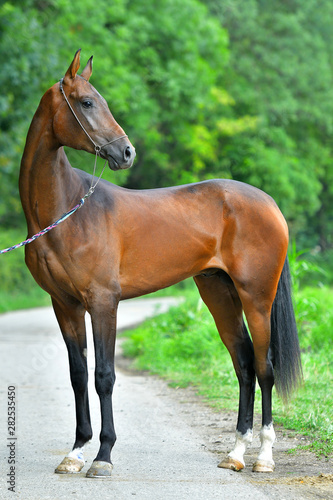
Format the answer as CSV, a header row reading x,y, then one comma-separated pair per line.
x,y
169,441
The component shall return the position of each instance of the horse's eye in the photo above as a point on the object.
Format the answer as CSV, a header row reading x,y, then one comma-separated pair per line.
x,y
87,104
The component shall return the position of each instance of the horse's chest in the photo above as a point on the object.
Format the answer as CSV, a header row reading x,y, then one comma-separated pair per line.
x,y
50,271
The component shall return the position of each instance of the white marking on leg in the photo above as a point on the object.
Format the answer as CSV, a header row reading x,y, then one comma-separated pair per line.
x,y
242,442
72,463
267,438
85,352
77,453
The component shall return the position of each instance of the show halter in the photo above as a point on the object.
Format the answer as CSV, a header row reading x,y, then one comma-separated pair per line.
x,y
87,195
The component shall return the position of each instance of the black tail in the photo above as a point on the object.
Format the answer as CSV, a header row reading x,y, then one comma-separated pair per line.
x,y
284,338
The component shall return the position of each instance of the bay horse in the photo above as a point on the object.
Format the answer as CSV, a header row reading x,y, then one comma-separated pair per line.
x,y
229,236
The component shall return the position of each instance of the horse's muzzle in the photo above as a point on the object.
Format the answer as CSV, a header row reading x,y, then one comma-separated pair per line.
x,y
119,158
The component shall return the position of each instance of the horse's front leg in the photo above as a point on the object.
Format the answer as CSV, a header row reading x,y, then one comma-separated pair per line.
x,y
104,319
72,325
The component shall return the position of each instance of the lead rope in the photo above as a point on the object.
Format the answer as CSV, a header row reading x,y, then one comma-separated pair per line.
x,y
62,218
88,193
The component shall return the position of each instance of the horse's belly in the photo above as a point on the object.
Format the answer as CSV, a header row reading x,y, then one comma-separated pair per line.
x,y
160,266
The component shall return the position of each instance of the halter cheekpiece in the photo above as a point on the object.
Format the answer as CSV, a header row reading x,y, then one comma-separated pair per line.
x,y
96,146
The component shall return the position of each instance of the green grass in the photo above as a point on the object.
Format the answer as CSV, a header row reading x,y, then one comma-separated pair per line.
x,y
183,347
21,300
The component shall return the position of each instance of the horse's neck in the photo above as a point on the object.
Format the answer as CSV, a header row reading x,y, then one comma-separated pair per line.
x,y
47,181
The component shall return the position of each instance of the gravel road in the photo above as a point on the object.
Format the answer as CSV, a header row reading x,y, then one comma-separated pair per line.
x,y
161,452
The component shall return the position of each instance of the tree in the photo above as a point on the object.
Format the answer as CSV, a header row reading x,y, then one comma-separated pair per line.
x,y
255,105
280,70
25,71
155,63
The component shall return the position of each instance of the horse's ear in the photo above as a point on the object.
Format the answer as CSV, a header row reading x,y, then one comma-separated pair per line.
x,y
74,67
86,73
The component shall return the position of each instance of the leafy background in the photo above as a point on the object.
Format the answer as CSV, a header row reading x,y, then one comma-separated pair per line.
x,y
238,89
234,89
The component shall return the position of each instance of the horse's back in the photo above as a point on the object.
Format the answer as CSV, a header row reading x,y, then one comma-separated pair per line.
x,y
234,193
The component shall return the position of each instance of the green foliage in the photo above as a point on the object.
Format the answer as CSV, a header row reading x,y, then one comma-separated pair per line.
x,y
25,70
311,302
280,71
204,89
13,274
154,63
315,318
23,299
324,260
311,410
18,289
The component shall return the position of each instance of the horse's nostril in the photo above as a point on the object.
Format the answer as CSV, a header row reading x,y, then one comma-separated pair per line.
x,y
127,153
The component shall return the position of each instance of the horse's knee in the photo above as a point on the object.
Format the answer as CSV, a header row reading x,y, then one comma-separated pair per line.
x,y
104,381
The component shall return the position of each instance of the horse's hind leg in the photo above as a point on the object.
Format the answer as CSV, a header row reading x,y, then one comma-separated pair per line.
x,y
220,296
72,325
259,324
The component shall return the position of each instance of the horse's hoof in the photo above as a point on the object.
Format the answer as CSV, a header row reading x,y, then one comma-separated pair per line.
x,y
261,466
100,469
231,463
70,466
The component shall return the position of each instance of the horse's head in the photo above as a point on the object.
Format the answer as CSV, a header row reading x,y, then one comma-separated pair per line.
x,y
83,120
